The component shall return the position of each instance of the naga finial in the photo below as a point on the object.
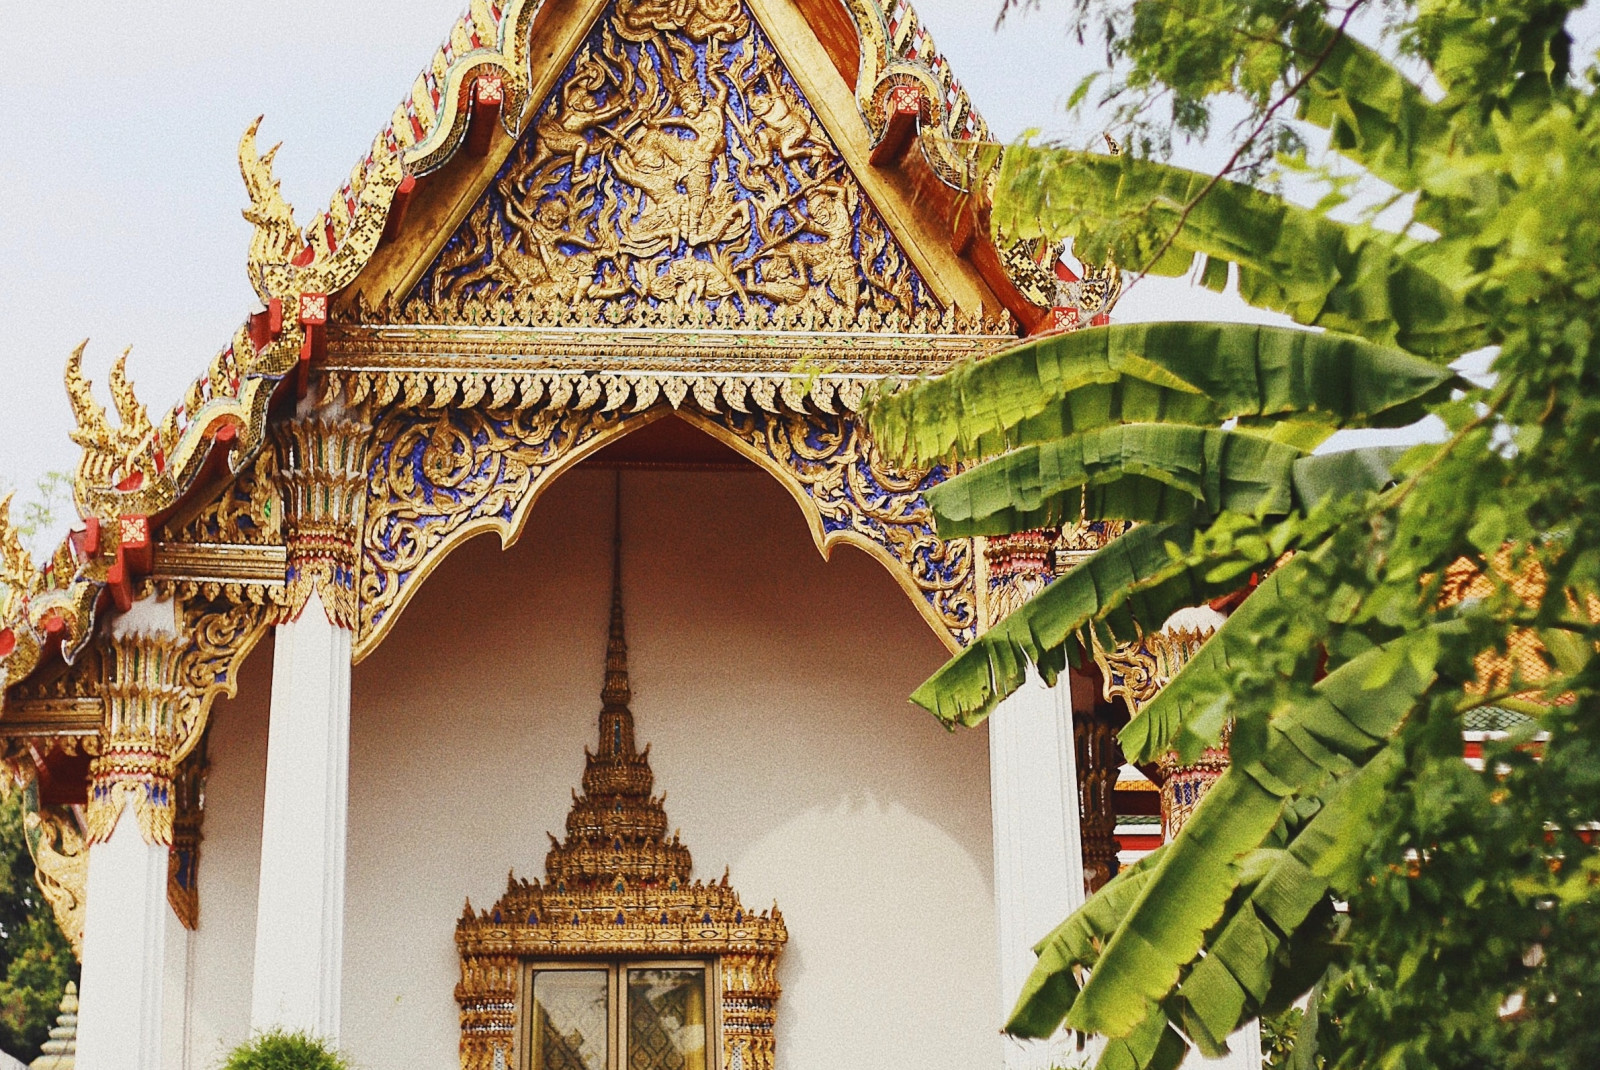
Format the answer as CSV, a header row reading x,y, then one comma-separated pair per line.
x,y
277,237
92,432
134,416
18,576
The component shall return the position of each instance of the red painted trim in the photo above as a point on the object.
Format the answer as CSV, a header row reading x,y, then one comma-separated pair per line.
x,y
488,94
905,110
397,209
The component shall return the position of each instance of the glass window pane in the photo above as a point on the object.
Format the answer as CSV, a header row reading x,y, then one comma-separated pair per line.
x,y
570,1018
667,1019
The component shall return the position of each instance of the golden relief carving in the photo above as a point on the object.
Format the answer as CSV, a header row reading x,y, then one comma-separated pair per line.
x,y
322,477
617,887
438,478
61,861
676,164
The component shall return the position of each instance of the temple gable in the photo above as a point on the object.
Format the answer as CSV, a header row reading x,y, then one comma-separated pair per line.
x,y
676,169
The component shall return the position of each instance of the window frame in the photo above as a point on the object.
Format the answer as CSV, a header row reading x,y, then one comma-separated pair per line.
x,y
616,1002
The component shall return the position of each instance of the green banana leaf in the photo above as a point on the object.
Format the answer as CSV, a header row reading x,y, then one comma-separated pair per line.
x,y
1130,472
1375,115
1188,714
1232,982
1187,373
1075,945
1346,277
1140,576
1293,754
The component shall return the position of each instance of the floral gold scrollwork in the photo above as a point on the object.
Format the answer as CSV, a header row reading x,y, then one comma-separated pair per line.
x,y
183,860
1136,672
437,478
833,469
1019,566
61,861
221,634
676,164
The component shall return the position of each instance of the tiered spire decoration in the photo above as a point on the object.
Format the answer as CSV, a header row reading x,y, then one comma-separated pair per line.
x,y
616,830
60,1052
617,887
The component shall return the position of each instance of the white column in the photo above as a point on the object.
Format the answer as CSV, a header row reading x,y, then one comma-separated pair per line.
x,y
300,914
1038,853
124,944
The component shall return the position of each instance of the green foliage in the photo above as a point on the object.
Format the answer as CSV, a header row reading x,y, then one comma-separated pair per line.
x,y
35,959
1433,914
279,1050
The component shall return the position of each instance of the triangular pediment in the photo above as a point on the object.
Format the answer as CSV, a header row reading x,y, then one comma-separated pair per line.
x,y
676,171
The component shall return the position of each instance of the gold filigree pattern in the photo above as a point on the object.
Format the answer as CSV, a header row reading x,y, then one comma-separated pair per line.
x,y
61,861
617,887
183,860
1019,566
144,698
853,495
437,478
676,163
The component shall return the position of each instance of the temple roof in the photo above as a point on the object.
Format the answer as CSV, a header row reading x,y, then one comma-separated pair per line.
x,y
869,69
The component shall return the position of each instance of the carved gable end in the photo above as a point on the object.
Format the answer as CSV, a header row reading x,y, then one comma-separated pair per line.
x,y
676,173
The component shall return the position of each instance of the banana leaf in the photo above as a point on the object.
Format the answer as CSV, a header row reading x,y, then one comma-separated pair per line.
x,y
1188,714
1375,115
1352,278
1131,472
1233,981
1187,373
1292,754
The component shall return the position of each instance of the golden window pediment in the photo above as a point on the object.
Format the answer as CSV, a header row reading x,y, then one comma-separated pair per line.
x,y
617,897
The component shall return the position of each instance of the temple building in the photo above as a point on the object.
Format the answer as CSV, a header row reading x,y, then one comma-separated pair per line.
x,y
559,394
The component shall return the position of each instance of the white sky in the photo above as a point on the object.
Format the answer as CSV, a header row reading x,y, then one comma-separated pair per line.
x,y
121,194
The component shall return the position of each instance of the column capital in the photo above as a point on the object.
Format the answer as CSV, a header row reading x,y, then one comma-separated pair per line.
x,y
1018,567
144,697
322,478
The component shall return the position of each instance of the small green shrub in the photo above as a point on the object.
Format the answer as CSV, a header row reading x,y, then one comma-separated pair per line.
x,y
279,1050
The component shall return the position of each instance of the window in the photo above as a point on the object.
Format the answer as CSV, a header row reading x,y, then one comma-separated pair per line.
x,y
620,1016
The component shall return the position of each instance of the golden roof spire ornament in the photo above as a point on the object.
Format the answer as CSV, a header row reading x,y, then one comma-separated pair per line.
x,y
616,830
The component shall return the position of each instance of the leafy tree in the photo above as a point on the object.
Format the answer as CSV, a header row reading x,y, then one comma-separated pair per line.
x,y
1438,915
36,961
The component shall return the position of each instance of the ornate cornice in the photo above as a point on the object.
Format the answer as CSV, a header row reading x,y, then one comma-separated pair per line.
x,y
141,738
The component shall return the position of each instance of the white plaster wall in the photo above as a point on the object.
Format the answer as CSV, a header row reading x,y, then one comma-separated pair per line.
x,y
772,686
217,958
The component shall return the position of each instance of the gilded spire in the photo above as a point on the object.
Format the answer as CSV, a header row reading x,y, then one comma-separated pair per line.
x,y
616,721
616,829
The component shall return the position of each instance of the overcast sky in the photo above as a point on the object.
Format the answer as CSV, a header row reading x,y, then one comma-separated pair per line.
x,y
120,194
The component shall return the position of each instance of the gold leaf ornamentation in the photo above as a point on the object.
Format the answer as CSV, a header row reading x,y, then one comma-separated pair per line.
x,y
676,164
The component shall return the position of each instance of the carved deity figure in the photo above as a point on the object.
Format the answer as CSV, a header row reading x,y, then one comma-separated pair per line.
x,y
585,105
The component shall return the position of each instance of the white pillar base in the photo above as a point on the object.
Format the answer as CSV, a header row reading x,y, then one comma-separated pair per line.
x,y
1038,852
124,952
300,913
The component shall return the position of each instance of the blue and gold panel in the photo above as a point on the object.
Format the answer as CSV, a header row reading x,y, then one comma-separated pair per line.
x,y
677,163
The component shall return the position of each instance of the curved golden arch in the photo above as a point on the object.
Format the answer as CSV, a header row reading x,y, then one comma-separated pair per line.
x,y
511,530
819,534
227,687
